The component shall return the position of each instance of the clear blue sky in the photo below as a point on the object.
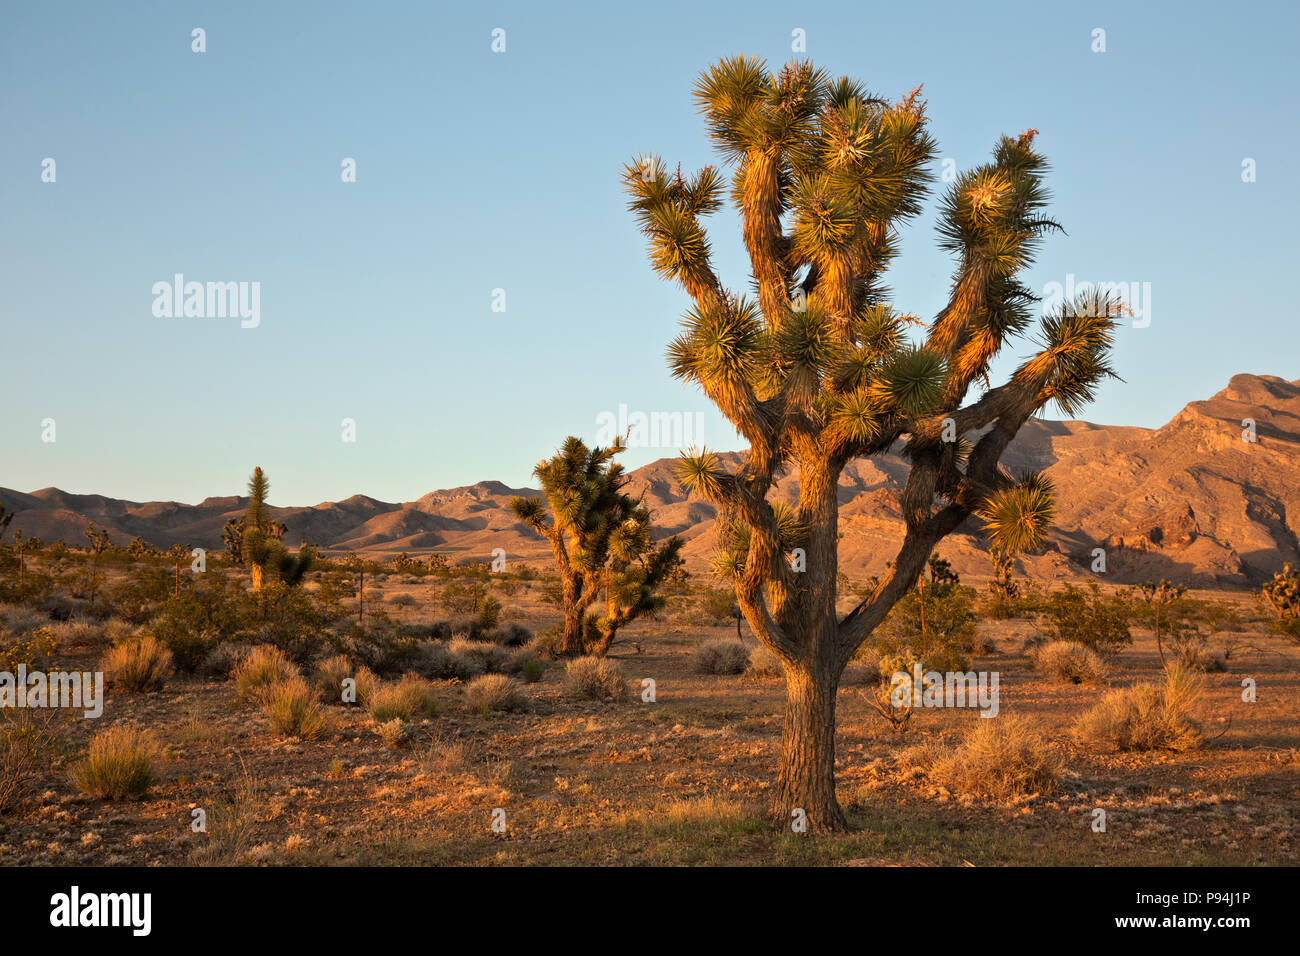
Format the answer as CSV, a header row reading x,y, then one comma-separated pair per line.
x,y
478,171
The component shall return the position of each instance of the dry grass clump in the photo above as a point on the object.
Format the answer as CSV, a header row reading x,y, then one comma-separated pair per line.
x,y
293,709
594,678
495,692
328,677
1001,757
406,699
138,664
264,666
118,764
1147,716
721,656
1071,662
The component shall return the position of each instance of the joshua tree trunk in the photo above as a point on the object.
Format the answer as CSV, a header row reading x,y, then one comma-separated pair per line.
x,y
806,779
571,638
256,573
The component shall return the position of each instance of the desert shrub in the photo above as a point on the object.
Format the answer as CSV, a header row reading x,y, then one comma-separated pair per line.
x,y
720,605
381,646
138,664
28,743
119,763
1071,662
328,677
512,635
215,607
763,663
137,598
464,597
263,666
222,659
489,658
495,692
543,643
406,699
726,656
30,648
517,659
78,632
594,678
395,733
403,600
293,709
1089,617
367,683
531,669
19,620
938,624
1147,716
1001,757
436,660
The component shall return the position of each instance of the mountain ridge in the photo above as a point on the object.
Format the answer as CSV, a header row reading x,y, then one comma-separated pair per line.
x,y
1193,501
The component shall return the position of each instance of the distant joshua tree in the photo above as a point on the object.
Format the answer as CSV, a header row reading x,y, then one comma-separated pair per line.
x,y
820,371
98,538
601,541
259,544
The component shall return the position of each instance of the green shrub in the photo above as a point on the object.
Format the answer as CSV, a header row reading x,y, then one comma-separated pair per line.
x,y
1090,618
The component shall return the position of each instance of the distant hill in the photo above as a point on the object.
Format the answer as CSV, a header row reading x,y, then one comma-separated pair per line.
x,y
1191,501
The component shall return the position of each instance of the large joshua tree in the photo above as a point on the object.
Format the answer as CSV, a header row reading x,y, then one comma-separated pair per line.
x,y
600,538
819,370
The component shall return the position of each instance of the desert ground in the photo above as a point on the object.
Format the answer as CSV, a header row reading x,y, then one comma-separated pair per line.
x,y
681,780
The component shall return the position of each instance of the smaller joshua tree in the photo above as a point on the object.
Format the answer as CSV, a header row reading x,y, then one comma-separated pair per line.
x,y
98,538
1282,594
601,541
260,544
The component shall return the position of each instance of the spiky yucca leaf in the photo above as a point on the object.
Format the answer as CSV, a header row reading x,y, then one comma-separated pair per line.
x,y
1017,516
910,381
